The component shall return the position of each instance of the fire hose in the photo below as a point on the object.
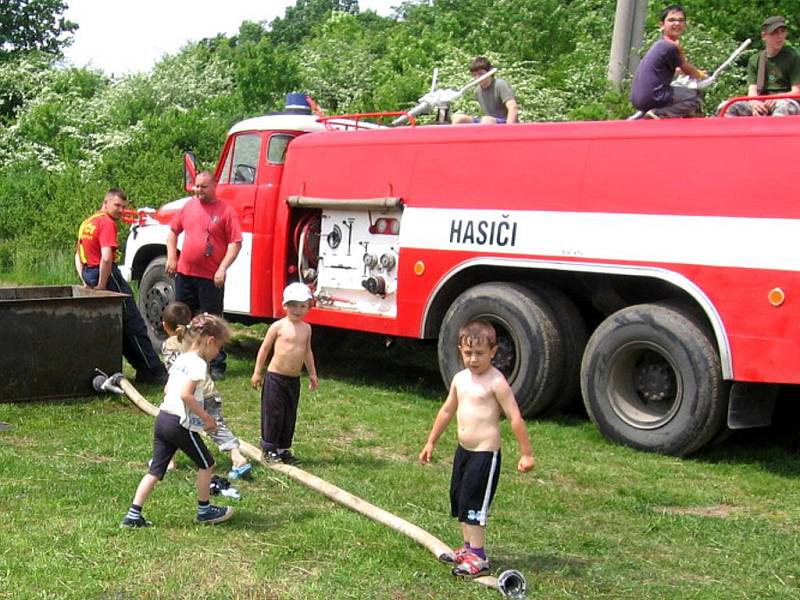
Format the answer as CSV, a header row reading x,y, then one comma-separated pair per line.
x,y
510,583
439,99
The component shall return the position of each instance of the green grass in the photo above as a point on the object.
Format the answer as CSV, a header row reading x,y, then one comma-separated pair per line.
x,y
593,520
25,266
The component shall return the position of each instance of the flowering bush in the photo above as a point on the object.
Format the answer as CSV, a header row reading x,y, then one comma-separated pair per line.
x,y
73,133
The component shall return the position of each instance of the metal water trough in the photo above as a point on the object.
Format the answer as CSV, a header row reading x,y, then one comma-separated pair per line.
x,y
54,338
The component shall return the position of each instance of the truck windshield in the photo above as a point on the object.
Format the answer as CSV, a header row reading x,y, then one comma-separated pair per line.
x,y
242,160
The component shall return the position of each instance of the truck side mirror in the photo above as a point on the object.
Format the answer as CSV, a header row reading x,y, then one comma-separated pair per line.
x,y
189,171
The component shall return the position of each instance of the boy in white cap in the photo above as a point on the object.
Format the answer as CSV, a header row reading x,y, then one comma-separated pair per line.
x,y
289,341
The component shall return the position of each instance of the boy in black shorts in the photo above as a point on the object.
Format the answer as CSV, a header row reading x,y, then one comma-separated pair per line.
x,y
477,396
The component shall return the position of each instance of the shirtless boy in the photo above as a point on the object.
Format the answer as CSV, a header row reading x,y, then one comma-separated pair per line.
x,y
477,396
289,341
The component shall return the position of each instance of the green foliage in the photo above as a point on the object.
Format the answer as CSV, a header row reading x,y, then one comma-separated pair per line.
x,y
68,134
300,19
21,77
28,265
742,19
77,133
264,70
34,25
328,64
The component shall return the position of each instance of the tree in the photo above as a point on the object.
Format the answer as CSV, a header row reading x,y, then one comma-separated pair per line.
x,y
337,66
301,18
34,25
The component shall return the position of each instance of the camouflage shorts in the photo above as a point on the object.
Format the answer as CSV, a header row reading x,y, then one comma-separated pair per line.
x,y
783,107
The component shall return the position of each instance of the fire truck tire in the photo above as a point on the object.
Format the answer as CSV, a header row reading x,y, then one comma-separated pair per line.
x,y
529,348
572,330
651,379
156,290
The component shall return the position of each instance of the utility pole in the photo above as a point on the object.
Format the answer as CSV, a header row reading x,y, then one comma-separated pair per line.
x,y
627,40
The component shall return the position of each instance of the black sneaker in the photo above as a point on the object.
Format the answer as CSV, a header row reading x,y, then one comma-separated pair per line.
x,y
287,458
140,521
215,514
270,456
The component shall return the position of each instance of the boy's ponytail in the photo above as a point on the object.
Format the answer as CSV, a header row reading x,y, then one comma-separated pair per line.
x,y
176,314
181,331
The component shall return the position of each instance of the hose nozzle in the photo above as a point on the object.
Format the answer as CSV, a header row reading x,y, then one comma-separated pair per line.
x,y
107,383
512,584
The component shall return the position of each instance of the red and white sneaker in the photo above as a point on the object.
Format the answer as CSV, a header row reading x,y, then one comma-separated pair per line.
x,y
471,566
456,556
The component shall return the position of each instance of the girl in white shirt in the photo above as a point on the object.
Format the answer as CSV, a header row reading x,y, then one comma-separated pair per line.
x,y
181,417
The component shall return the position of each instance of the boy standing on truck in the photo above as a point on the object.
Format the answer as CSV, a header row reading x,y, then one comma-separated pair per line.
x,y
775,70
289,341
478,395
652,92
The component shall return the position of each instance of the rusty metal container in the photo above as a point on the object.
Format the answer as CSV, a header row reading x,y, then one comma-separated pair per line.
x,y
53,339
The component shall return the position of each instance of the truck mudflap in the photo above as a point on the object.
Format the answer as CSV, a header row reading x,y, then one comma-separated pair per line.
x,y
751,404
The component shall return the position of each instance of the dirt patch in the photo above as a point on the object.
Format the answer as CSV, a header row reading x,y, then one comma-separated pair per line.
x,y
386,454
364,440
718,510
348,438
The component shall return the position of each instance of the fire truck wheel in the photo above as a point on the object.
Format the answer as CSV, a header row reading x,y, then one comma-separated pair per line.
x,y
573,333
651,379
529,348
156,290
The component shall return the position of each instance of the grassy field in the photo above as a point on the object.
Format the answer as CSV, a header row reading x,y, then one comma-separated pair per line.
x,y
592,521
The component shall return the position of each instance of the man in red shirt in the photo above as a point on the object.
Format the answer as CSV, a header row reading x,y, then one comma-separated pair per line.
x,y
94,261
212,240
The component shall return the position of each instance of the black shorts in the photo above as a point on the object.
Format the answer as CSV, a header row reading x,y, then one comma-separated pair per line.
x,y
472,487
169,436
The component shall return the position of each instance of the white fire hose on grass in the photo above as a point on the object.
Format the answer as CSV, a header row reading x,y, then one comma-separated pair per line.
x,y
511,583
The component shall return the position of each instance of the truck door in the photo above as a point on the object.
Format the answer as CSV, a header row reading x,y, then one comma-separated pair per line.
x,y
237,184
264,234
237,179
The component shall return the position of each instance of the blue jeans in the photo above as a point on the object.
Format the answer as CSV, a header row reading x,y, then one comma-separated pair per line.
x,y
136,346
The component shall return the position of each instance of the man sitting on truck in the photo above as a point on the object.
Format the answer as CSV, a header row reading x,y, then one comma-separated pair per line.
x,y
652,92
775,70
494,95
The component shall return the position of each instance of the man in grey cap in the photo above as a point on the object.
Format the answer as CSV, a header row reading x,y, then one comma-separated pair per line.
x,y
775,70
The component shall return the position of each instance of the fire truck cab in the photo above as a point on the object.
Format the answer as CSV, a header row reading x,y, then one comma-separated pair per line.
x,y
647,267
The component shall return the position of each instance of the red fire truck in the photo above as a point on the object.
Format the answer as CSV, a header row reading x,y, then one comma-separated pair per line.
x,y
647,266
